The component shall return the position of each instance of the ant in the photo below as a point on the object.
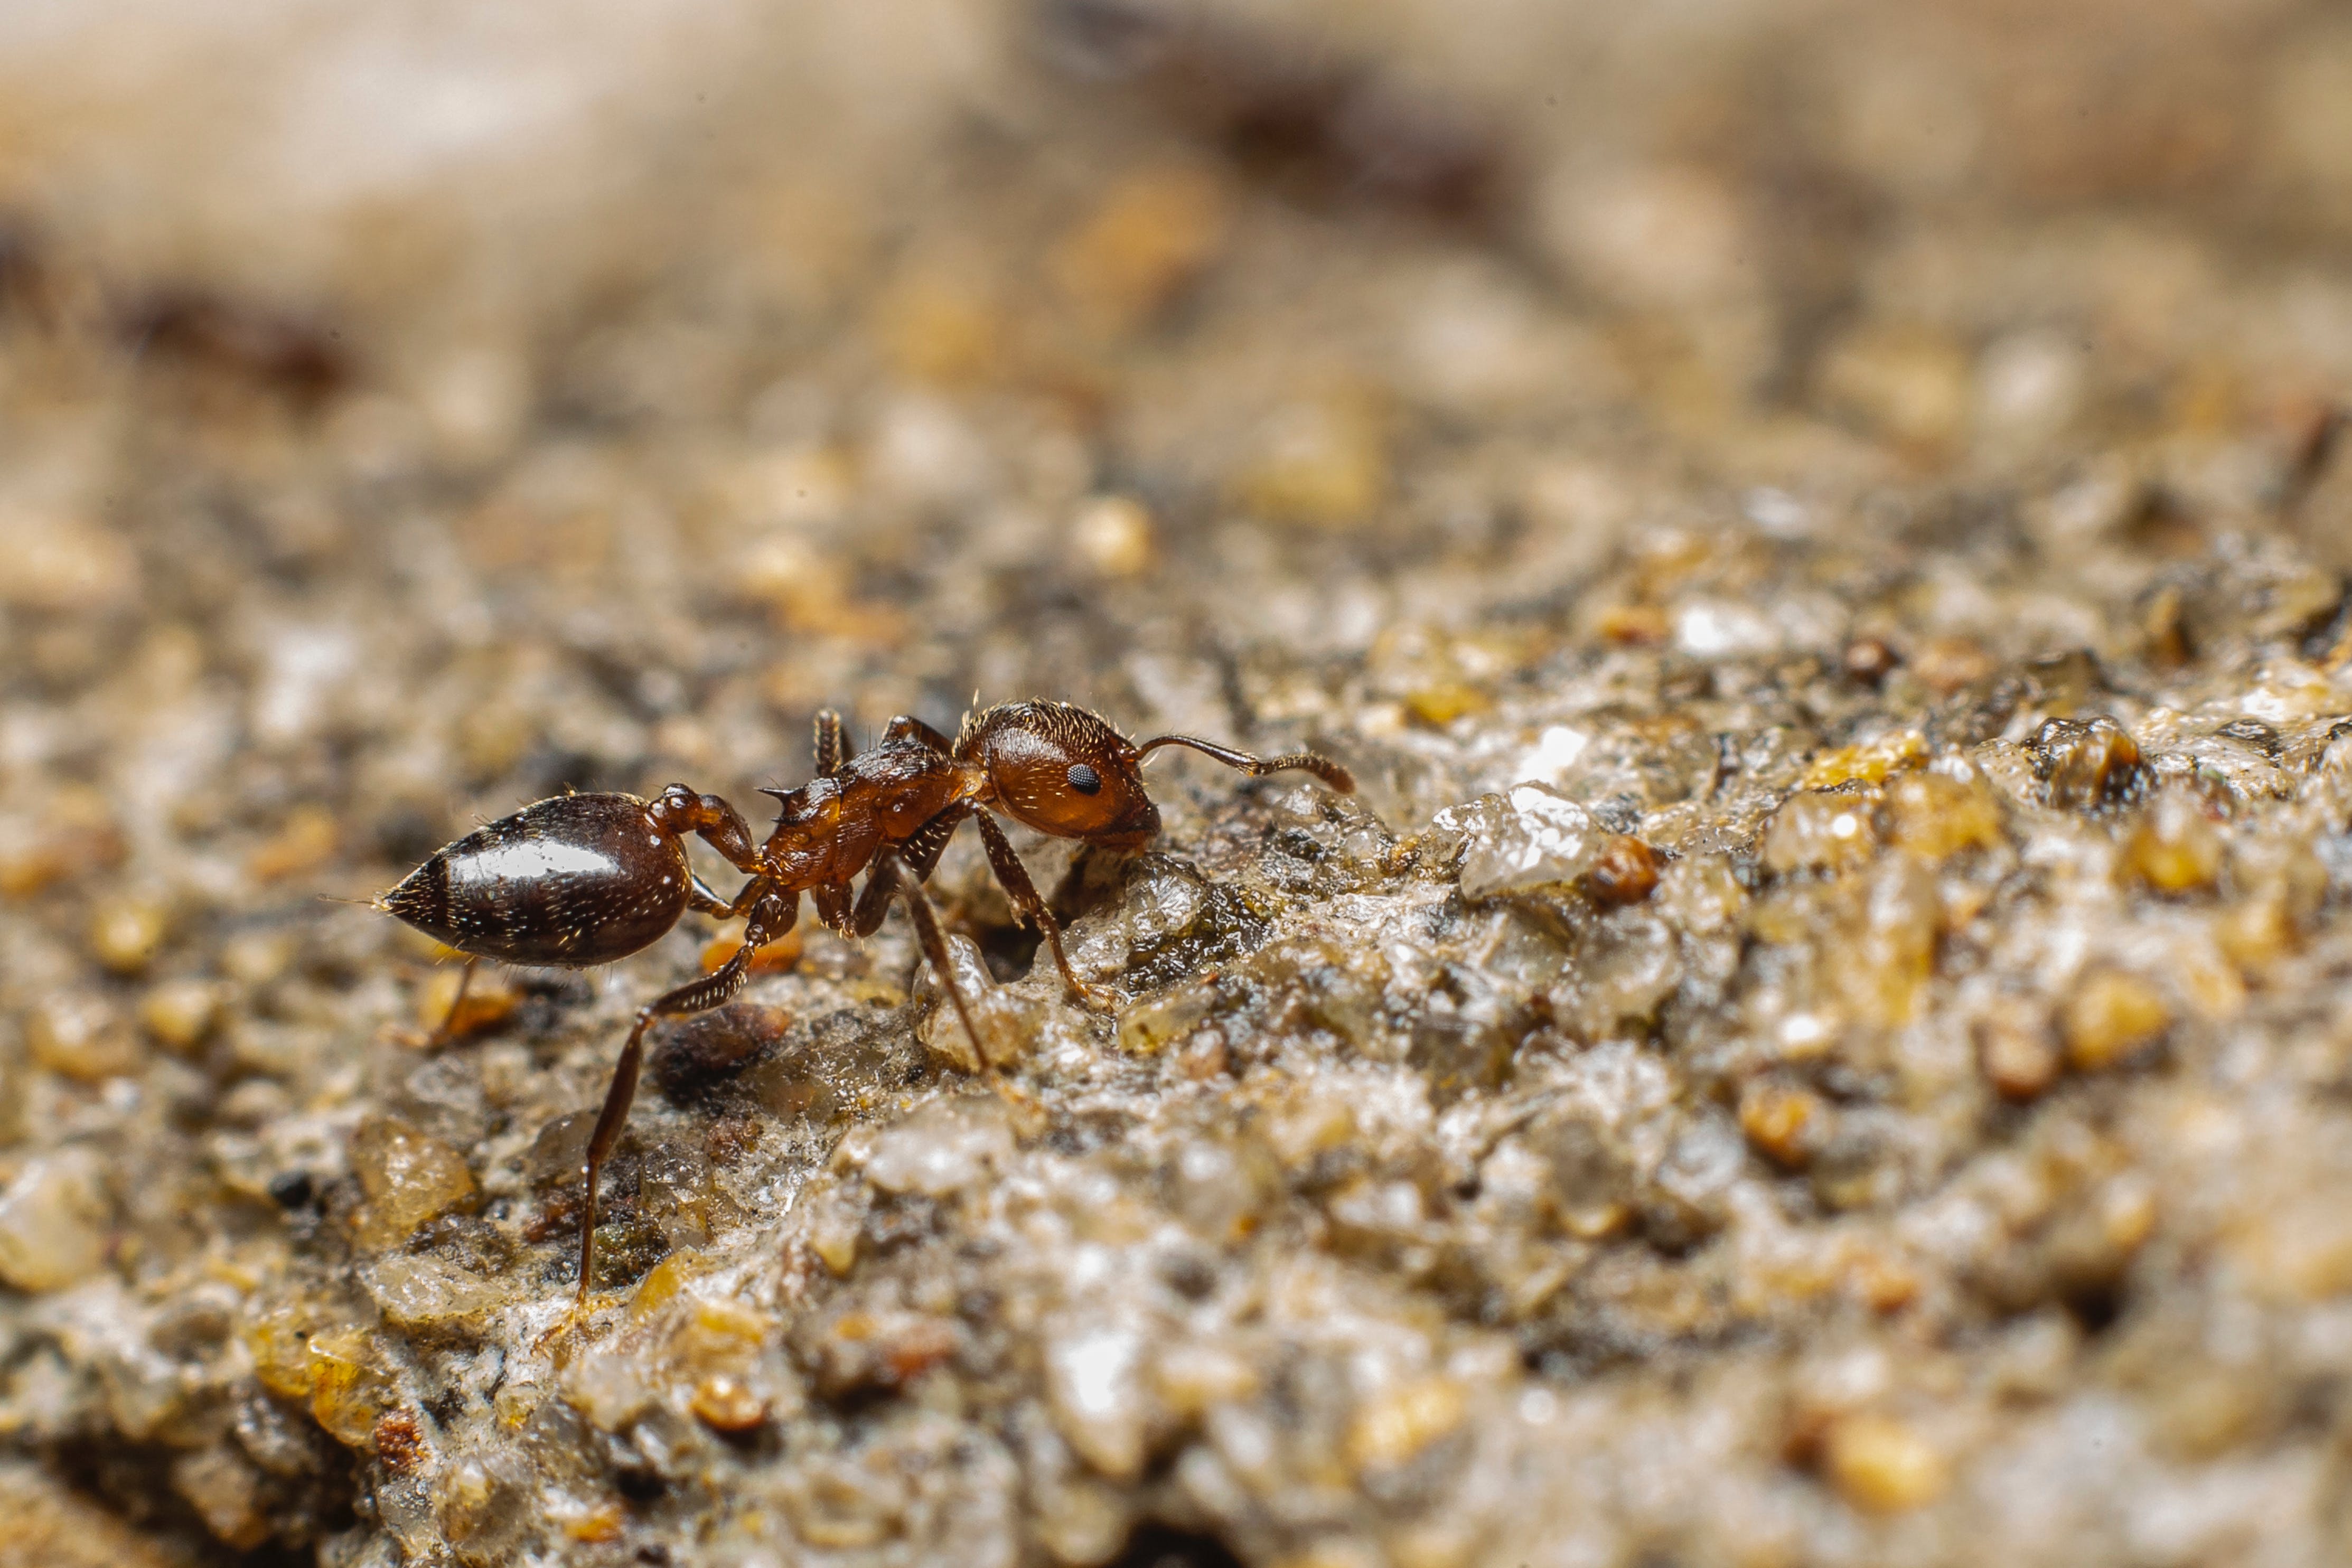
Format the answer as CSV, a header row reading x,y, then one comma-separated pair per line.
x,y
581,880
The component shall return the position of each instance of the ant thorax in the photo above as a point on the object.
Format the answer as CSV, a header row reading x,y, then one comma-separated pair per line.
x,y
800,850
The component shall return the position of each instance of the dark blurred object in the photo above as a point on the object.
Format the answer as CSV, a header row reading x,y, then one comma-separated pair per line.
x,y
1320,130
25,285
240,341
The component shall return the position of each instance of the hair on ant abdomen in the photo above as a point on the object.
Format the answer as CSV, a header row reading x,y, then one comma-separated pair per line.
x,y
583,880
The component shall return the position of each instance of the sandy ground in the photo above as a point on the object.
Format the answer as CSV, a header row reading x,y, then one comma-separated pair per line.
x,y
1822,1037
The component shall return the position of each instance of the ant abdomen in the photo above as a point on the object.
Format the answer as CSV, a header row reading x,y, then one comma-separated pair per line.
x,y
574,880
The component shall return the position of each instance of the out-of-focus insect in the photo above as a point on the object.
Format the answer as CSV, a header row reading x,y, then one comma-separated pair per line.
x,y
581,880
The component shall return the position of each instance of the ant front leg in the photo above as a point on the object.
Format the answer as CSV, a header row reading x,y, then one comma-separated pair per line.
x,y
771,918
701,899
890,876
906,727
832,901
1023,893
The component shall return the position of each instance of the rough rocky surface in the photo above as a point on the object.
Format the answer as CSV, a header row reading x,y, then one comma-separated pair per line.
x,y
1824,1038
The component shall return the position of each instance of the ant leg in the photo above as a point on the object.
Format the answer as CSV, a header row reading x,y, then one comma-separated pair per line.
x,y
906,726
758,888
1015,878
832,750
832,901
889,871
1323,768
447,1031
923,847
918,855
770,920
699,897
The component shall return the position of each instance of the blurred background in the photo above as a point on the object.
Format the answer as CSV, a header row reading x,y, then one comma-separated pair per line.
x,y
767,355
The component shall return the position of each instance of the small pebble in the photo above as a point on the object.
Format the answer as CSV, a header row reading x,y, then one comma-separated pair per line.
x,y
179,1014
1882,1466
65,564
942,326
1812,832
82,1037
1153,234
2112,1014
1322,463
71,833
1094,1389
832,1236
1948,664
1152,1025
1533,837
1399,1423
1625,872
1194,1377
2017,1050
1440,703
305,842
1910,385
1936,816
1884,1283
2084,764
1869,762
1869,660
125,932
1202,1056
1634,626
726,1404
1784,1122
257,958
2256,934
490,999
2174,848
1113,535
407,1176
53,1222
224,1490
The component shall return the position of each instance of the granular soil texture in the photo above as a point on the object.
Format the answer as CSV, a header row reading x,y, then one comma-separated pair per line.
x,y
1824,1036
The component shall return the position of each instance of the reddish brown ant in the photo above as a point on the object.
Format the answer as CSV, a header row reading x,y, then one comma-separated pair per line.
x,y
581,880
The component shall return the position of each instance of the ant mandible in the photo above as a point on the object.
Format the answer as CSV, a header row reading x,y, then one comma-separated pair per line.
x,y
583,880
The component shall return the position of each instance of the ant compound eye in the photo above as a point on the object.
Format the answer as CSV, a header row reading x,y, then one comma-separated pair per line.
x,y
1084,779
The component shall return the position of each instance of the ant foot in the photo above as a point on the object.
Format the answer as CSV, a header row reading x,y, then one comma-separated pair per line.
x,y
1095,998
409,1038
573,1322
1029,1116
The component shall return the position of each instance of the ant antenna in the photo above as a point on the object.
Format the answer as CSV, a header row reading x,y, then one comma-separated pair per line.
x,y
1323,768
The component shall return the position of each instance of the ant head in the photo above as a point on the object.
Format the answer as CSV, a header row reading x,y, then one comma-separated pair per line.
x,y
1063,771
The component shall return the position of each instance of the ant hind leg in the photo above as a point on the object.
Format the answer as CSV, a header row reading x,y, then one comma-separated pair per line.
x,y
772,918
